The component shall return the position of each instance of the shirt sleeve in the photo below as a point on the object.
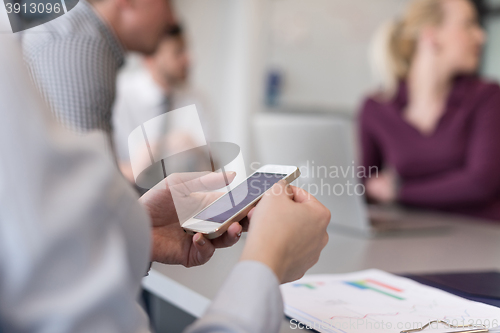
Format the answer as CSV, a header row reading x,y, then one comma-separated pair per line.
x,y
249,302
74,241
76,76
478,180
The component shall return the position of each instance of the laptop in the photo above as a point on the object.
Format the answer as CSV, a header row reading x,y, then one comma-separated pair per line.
x,y
323,146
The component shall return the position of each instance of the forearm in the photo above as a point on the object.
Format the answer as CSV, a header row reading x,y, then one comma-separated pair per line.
x,y
249,302
73,239
456,188
371,156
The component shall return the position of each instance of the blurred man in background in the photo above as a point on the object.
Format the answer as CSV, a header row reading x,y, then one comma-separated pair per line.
x,y
155,85
75,59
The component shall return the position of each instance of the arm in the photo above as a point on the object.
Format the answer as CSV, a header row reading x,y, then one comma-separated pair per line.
x,y
371,155
249,301
80,91
380,184
479,179
74,242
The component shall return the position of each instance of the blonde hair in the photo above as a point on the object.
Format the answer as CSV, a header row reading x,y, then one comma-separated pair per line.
x,y
394,44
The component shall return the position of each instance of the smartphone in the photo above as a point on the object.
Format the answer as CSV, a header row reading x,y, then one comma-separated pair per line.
x,y
233,206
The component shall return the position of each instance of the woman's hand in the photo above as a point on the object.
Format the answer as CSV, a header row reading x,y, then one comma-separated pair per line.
x,y
383,188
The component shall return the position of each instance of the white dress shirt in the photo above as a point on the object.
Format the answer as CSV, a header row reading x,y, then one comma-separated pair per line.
x,y
74,61
139,99
74,241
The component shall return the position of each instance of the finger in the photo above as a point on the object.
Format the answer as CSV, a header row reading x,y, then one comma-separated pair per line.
x,y
230,237
281,188
301,195
289,191
181,178
208,182
215,181
187,183
250,213
204,249
177,182
326,238
245,223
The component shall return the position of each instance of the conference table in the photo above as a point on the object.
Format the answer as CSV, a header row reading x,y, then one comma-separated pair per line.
x,y
466,245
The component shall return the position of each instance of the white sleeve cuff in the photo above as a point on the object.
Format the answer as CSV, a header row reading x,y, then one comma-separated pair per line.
x,y
249,301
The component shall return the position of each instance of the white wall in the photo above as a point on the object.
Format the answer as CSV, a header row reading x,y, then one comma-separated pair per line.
x,y
491,65
225,41
321,45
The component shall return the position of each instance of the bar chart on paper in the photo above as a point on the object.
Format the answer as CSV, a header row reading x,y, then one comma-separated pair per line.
x,y
376,301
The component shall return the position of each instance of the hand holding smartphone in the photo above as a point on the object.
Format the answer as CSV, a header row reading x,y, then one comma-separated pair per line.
x,y
215,219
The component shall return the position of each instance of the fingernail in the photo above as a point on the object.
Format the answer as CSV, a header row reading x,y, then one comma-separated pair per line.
x,y
200,240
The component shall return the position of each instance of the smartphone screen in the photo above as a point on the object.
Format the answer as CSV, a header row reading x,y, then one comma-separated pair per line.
x,y
238,198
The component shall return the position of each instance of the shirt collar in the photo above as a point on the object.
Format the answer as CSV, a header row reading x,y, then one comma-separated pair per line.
x,y
107,31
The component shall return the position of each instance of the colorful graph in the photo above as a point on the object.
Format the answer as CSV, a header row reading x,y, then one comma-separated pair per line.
x,y
374,285
374,301
368,315
313,285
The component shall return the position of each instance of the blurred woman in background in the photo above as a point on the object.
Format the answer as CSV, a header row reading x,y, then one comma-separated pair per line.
x,y
433,131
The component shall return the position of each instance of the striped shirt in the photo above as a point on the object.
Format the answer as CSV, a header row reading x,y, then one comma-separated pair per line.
x,y
74,61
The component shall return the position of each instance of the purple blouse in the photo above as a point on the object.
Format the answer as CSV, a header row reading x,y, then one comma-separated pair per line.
x,y
457,168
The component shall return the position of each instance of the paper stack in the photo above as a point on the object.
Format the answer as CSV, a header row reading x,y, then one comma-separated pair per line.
x,y
375,301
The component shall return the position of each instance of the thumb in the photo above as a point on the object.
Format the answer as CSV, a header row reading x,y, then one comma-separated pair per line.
x,y
204,250
282,188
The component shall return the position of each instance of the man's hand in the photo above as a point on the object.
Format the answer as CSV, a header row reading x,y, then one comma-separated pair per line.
x,y
287,231
179,197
